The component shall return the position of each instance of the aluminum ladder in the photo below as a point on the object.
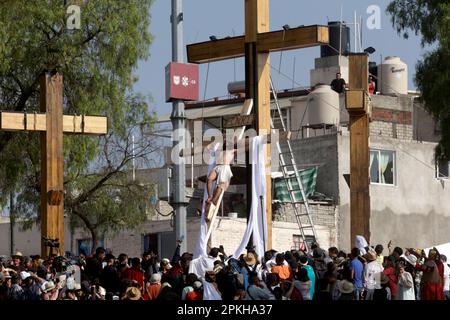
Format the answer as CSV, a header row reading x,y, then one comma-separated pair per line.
x,y
306,228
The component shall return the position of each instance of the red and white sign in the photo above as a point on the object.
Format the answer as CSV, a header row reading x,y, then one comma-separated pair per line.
x,y
181,81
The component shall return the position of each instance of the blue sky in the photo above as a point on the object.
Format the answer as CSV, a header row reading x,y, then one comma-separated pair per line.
x,y
203,18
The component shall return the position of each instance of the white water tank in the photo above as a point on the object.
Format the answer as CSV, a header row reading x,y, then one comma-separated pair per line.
x,y
323,106
393,76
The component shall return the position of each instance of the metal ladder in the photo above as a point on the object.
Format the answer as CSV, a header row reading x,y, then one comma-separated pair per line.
x,y
307,229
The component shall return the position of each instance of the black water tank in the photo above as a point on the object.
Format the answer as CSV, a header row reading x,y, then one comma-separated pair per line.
x,y
333,48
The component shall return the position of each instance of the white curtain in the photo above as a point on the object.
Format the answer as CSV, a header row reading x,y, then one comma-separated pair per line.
x,y
201,246
384,161
257,223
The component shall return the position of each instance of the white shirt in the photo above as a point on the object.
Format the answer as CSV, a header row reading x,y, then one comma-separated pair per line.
x,y
446,277
224,174
372,275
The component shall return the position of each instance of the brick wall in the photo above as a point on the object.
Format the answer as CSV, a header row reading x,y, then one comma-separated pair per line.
x,y
229,232
391,130
323,215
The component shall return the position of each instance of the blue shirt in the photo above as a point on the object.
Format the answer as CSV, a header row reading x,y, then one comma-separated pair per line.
x,y
312,277
358,268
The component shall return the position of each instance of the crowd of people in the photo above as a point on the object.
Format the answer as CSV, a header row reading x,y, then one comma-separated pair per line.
x,y
366,273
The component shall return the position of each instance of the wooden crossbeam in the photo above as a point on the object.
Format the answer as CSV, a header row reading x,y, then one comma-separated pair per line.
x,y
216,50
240,121
234,47
297,38
18,121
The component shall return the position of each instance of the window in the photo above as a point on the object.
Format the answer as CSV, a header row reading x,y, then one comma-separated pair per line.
x,y
443,169
298,243
382,167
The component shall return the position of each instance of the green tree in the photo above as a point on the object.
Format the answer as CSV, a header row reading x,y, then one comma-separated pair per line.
x,y
97,63
431,19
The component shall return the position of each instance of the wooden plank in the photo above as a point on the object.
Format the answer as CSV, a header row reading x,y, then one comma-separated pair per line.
x,y
52,160
19,121
233,47
93,125
263,127
216,50
358,71
359,149
359,177
239,121
296,38
356,101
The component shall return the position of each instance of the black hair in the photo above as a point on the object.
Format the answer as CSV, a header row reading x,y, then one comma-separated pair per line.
x,y
135,262
279,258
333,250
303,259
379,249
356,252
191,278
122,257
398,250
214,252
100,250
303,275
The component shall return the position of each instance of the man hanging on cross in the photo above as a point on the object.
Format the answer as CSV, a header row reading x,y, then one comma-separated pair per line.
x,y
222,175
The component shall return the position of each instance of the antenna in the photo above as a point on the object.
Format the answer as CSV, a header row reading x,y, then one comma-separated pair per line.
x,y
133,161
340,33
356,32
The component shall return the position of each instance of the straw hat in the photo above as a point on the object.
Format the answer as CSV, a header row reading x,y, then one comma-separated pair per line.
x,y
18,254
132,293
346,286
249,258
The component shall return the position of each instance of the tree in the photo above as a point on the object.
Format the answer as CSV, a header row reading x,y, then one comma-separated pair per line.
x,y
432,20
97,64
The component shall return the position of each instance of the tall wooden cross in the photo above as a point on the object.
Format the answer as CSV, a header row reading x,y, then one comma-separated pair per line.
x,y
359,111
52,124
256,45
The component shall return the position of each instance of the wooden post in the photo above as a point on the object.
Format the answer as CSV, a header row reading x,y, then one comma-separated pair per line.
x,y
52,160
357,106
257,82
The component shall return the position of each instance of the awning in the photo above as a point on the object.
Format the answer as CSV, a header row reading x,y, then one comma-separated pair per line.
x,y
219,111
308,176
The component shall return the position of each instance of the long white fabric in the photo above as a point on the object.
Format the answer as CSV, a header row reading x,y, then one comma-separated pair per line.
x,y
201,246
257,223
201,265
210,292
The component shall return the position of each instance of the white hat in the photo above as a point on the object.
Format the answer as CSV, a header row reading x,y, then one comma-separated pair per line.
x,y
411,259
166,262
346,286
48,286
24,275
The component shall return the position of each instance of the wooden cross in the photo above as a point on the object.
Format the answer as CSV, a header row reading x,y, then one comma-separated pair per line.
x,y
256,45
52,124
356,99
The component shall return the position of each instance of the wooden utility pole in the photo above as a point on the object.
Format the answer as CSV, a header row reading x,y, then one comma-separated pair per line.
x,y
52,124
358,108
256,45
